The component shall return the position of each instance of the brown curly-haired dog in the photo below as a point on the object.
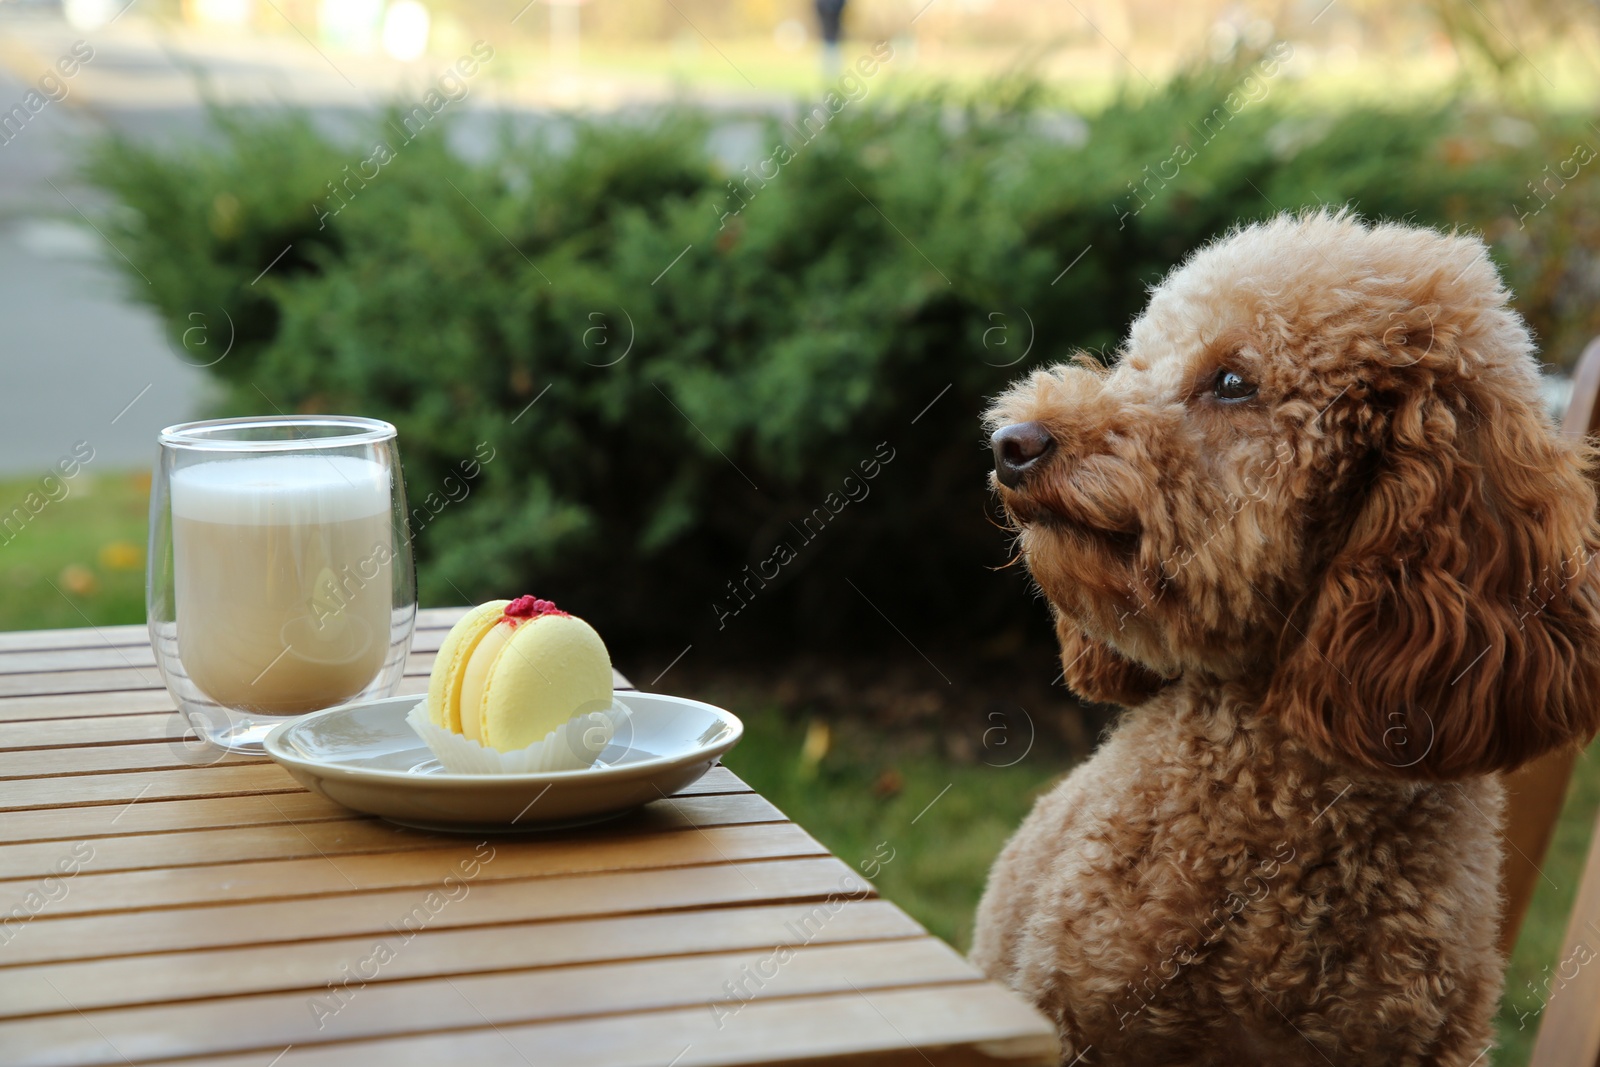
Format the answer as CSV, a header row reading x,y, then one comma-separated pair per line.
x,y
1317,534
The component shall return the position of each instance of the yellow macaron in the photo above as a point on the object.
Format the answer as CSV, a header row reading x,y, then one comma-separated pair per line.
x,y
511,671
444,684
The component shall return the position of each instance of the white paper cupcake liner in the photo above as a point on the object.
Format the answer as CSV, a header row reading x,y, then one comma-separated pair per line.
x,y
572,746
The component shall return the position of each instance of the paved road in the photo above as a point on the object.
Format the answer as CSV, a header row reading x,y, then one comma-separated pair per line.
x,y
81,359
74,351
78,361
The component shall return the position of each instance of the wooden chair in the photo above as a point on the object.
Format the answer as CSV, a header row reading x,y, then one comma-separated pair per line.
x,y
1569,1035
1569,1032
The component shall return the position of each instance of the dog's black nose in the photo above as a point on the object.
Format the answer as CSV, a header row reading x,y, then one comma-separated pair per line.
x,y
1017,449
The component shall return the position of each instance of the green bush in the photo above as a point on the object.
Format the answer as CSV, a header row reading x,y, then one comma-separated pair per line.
x,y
907,262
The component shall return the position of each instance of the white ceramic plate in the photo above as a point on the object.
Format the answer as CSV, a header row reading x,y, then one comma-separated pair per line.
x,y
365,757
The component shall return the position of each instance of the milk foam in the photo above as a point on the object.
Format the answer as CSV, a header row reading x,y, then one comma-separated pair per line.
x,y
272,490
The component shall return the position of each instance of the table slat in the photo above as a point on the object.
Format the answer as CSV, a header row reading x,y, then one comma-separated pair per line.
x,y
55,707
74,637
154,816
220,781
291,839
64,763
94,730
379,911
311,965
268,1020
977,1025
423,868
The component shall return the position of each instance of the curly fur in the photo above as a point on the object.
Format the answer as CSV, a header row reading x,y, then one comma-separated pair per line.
x,y
1335,611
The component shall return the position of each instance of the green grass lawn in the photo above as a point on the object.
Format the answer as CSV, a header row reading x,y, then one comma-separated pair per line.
x,y
922,825
80,560
923,828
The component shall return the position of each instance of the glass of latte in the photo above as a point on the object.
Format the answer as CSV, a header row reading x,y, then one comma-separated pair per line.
x,y
280,577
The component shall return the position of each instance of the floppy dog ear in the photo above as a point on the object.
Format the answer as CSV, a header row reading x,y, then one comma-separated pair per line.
x,y
1097,672
1457,630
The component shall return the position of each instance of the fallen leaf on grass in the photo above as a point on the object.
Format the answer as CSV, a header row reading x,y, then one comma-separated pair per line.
x,y
121,556
78,580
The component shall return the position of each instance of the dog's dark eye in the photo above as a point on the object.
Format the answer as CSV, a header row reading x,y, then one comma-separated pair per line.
x,y
1231,385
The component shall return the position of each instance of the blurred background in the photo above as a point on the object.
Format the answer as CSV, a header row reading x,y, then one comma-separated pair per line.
x,y
687,309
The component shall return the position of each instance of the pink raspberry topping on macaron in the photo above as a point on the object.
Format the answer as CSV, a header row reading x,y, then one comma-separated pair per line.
x,y
528,607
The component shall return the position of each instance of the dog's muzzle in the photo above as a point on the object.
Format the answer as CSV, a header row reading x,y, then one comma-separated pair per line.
x,y
1018,449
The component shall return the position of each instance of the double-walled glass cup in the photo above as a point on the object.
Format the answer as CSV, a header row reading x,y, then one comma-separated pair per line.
x,y
280,578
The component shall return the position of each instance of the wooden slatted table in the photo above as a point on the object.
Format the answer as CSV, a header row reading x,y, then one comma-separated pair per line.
x,y
158,903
